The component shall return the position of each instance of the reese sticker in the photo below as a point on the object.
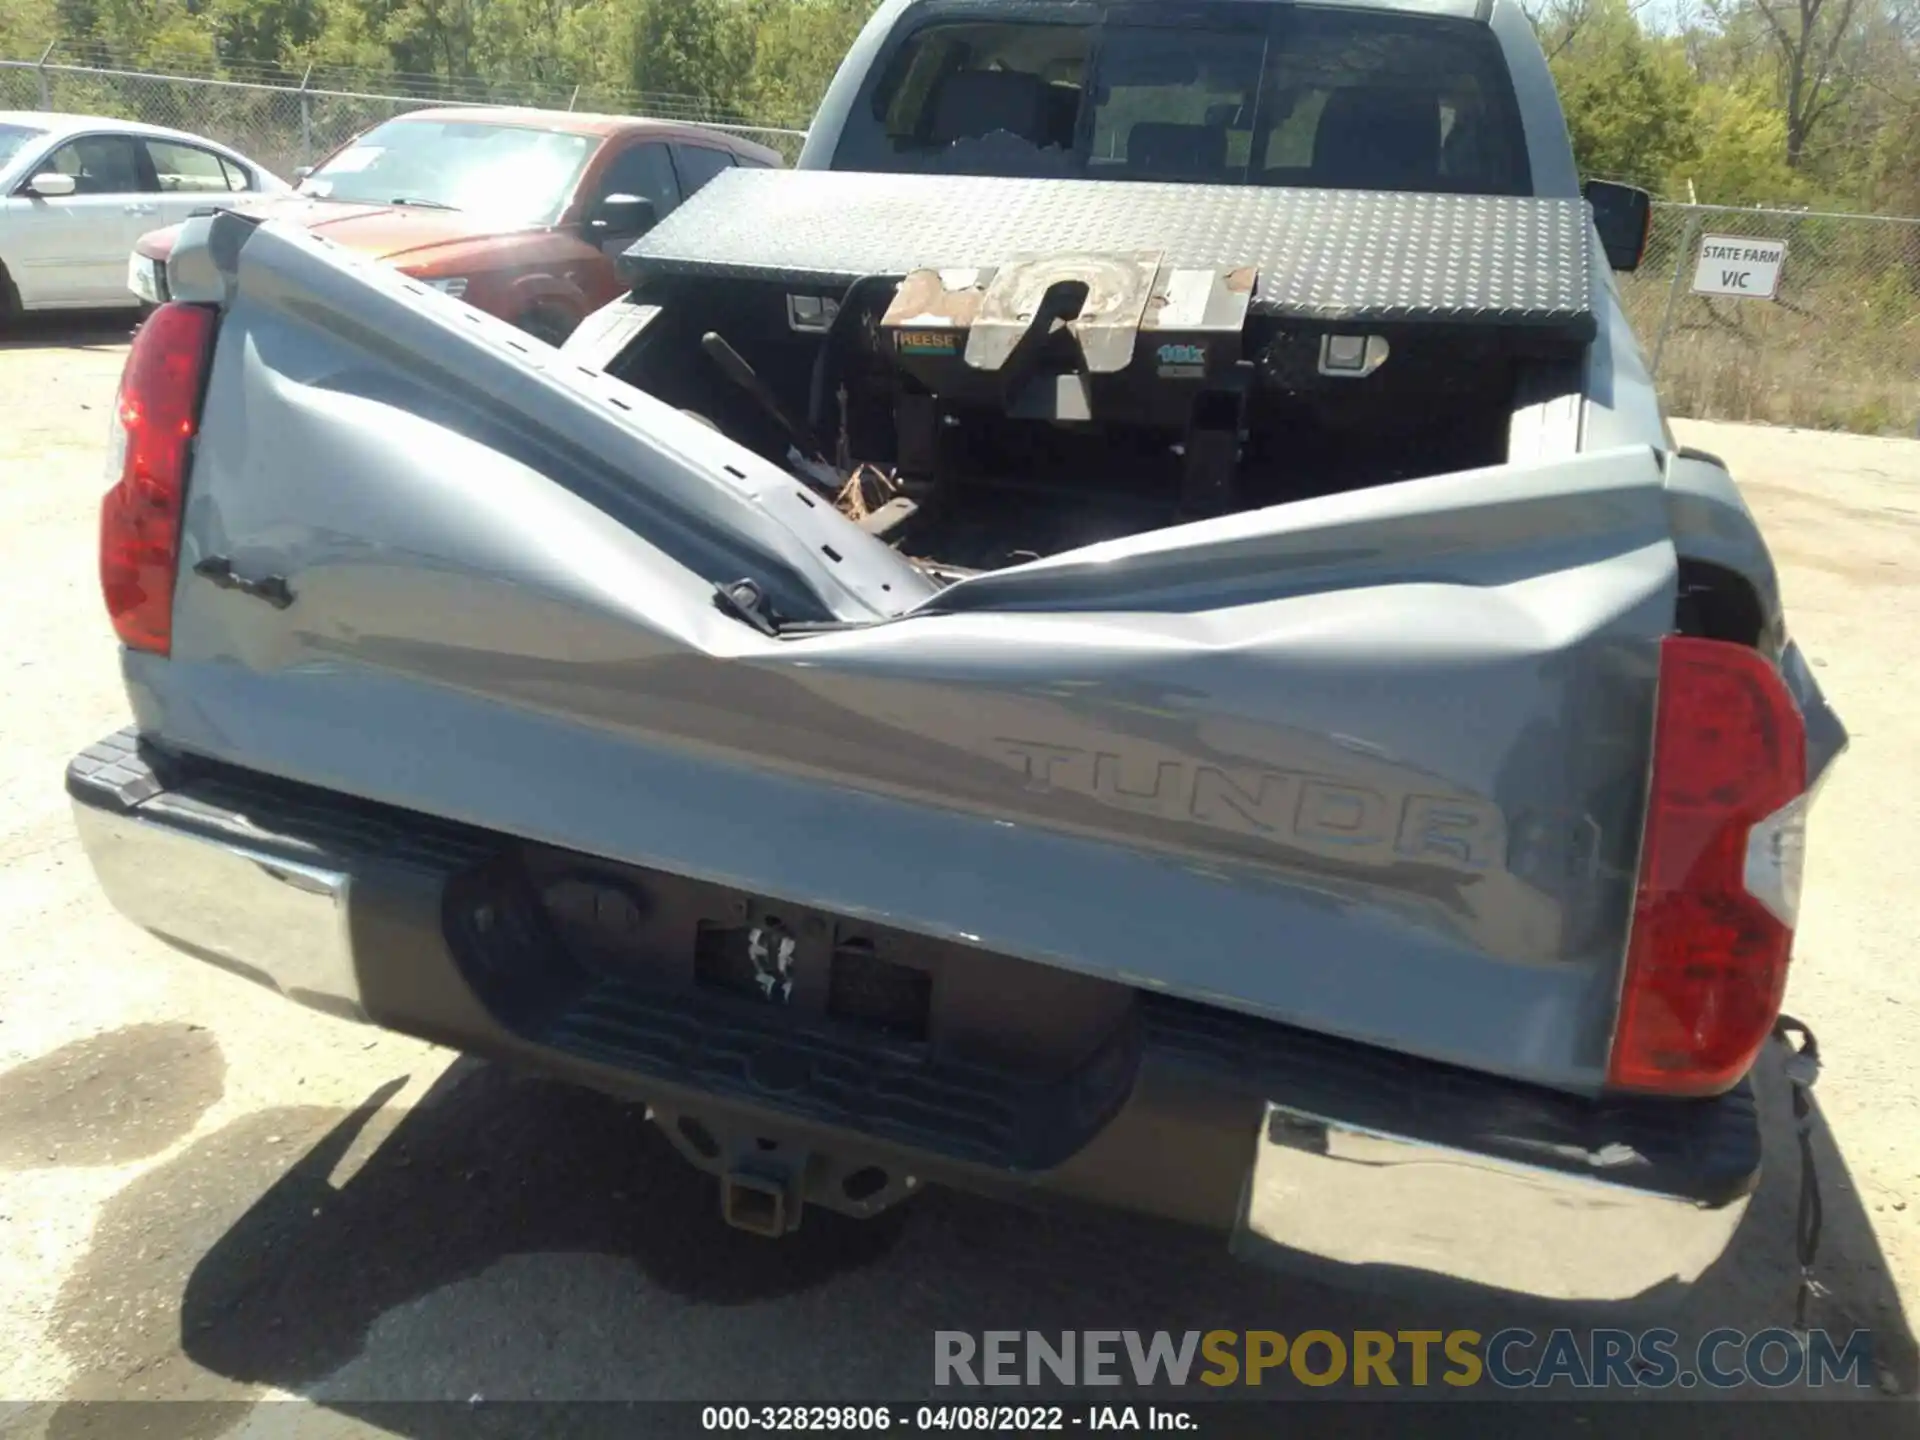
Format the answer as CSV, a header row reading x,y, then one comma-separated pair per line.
x,y
925,342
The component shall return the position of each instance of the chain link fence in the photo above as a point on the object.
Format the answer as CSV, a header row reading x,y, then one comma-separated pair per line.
x,y
284,122
1836,348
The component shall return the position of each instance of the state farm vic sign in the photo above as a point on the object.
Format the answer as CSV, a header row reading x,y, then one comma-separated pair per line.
x,y
1739,265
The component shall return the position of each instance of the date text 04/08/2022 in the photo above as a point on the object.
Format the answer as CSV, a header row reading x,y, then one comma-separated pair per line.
x,y
877,1419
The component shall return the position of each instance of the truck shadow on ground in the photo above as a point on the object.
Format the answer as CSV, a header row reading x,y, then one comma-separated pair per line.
x,y
516,1238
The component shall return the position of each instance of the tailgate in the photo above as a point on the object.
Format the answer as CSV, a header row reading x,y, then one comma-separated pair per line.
x,y
1373,764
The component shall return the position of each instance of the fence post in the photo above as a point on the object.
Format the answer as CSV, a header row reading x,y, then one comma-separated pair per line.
x,y
306,120
40,70
1681,251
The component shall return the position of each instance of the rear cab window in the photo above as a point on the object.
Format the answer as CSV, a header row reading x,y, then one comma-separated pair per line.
x,y
1226,94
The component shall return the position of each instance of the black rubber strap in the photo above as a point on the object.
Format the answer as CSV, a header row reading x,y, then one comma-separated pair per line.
x,y
1803,1068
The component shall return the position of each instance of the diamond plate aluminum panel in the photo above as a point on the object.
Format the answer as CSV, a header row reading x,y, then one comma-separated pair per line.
x,y
1323,255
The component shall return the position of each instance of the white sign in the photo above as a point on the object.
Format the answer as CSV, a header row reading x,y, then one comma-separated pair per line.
x,y
1739,265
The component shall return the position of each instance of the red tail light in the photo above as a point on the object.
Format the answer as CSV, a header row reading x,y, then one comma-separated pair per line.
x,y
1719,872
154,420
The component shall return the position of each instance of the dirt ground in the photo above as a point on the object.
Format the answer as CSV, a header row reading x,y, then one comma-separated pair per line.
x,y
206,1193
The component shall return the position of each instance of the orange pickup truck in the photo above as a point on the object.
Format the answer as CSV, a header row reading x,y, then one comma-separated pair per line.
x,y
522,213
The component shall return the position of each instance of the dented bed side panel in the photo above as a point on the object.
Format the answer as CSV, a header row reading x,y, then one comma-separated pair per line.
x,y
320,341
1372,764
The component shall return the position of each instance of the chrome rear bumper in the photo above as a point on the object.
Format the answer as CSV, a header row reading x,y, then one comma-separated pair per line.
x,y
1357,1197
277,921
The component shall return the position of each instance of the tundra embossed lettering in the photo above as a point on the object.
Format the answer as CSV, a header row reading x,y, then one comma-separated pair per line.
x,y
1312,812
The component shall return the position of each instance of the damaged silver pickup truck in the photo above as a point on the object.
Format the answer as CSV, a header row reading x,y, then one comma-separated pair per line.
x,y
1132,628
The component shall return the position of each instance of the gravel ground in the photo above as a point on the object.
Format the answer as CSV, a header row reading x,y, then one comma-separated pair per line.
x,y
206,1193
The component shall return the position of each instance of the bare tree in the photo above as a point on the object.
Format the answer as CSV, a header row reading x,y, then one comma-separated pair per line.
x,y
1809,40
1559,23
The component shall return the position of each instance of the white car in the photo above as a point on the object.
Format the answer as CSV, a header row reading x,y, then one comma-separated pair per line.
x,y
77,190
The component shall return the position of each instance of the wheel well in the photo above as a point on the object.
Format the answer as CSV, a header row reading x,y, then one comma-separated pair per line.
x,y
1716,603
9,297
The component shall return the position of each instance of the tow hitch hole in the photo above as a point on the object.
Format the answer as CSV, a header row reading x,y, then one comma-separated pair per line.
x,y
698,1136
754,1205
864,1183
766,1142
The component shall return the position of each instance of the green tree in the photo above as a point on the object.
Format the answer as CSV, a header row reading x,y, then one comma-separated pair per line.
x,y
1891,182
265,32
1631,99
1742,150
428,37
27,27
596,45
520,41
798,46
1813,44
694,47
